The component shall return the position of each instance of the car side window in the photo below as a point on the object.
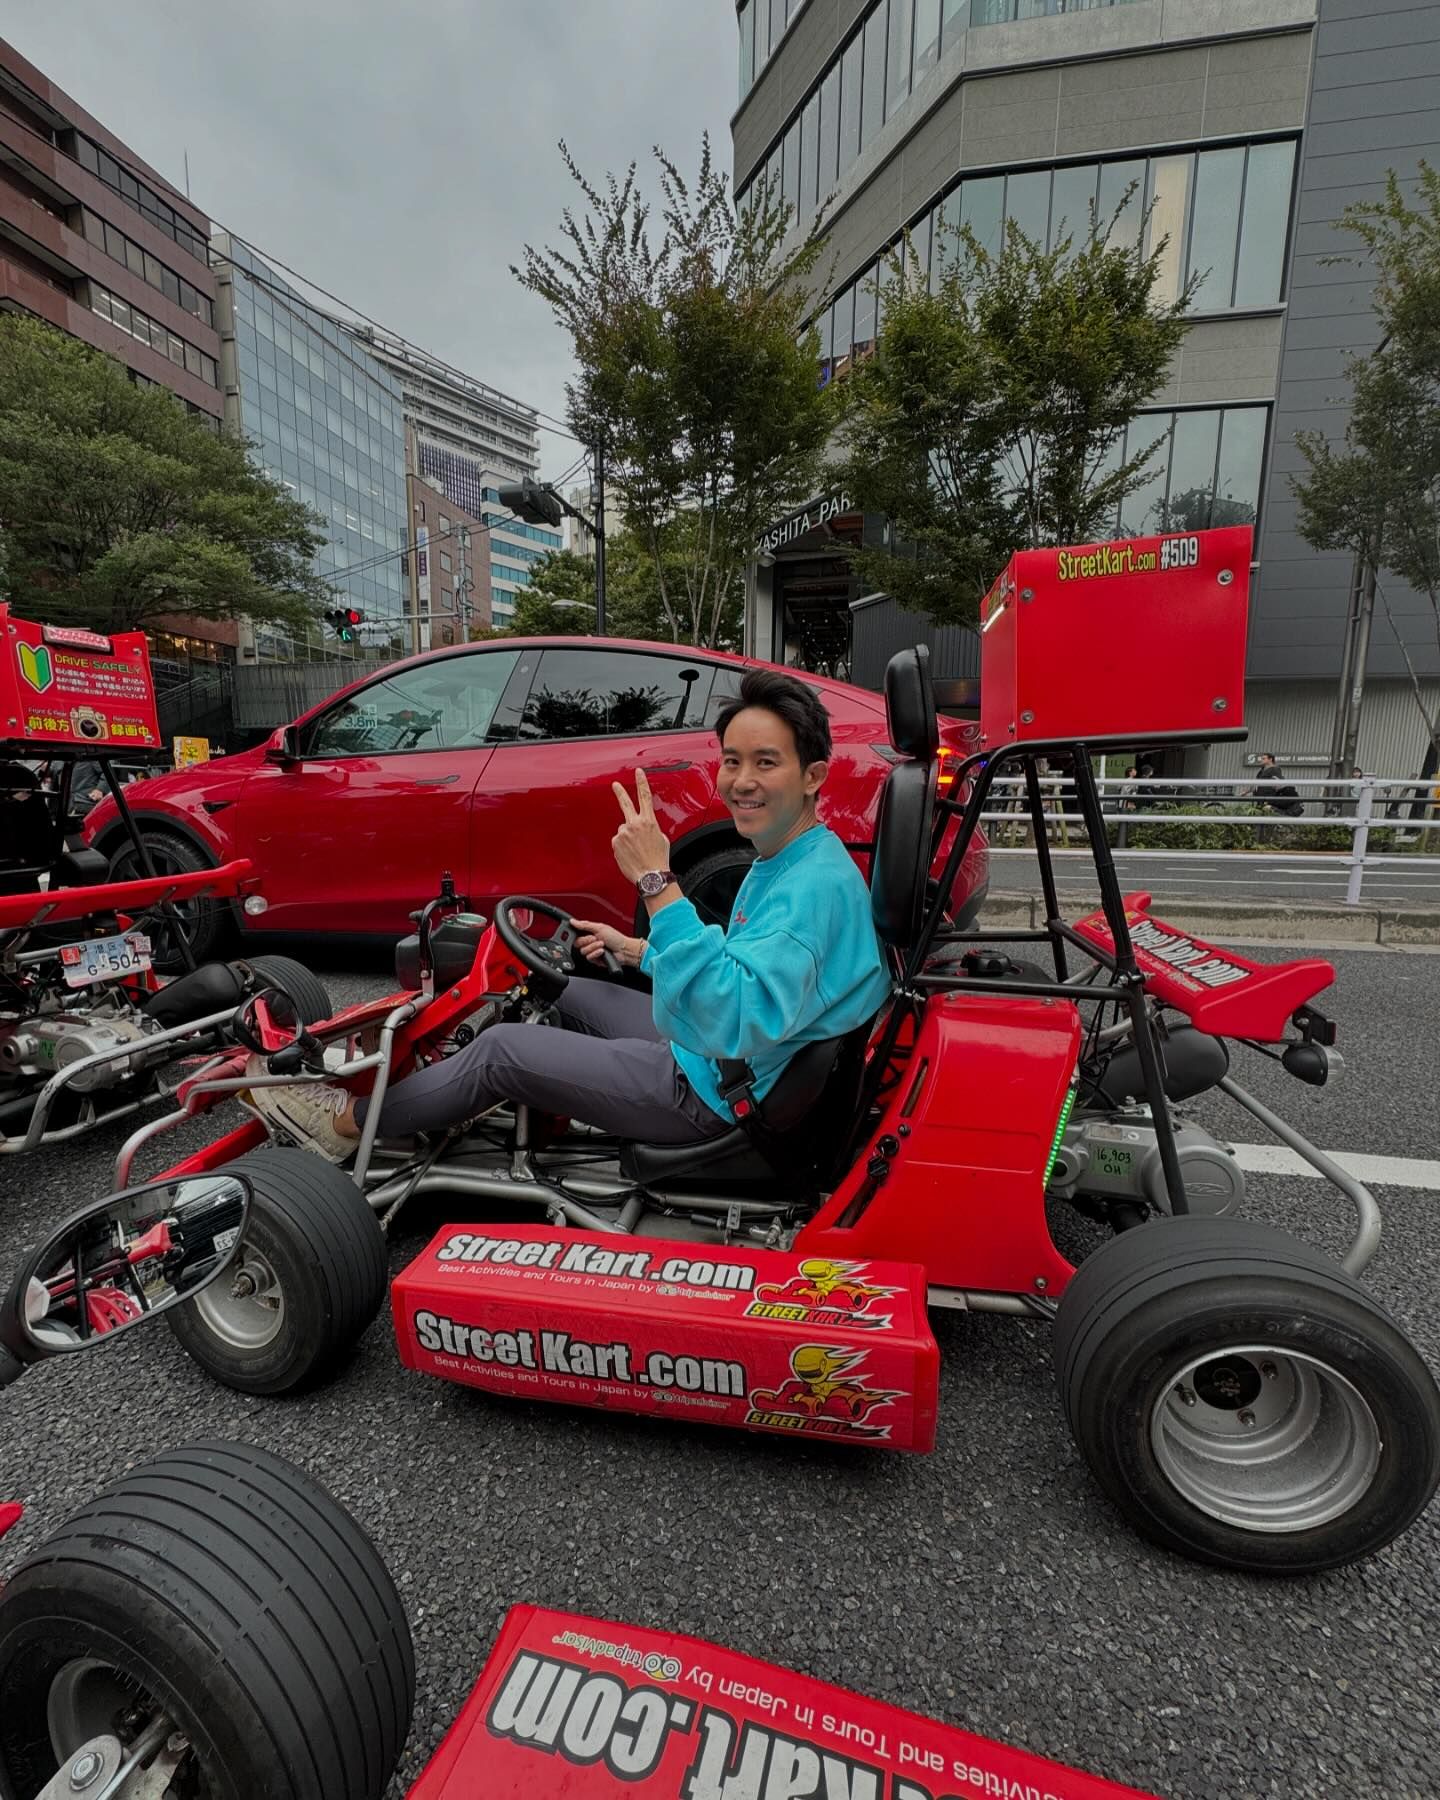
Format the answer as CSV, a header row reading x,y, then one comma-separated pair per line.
x,y
613,693
442,705
726,688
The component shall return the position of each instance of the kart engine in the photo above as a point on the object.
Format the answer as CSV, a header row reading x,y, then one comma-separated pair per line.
x,y
44,1044
1114,1156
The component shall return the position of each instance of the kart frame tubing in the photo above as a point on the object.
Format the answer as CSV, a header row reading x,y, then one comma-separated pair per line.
x,y
35,1133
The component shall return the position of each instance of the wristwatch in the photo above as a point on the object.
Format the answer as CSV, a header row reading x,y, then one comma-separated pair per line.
x,y
653,882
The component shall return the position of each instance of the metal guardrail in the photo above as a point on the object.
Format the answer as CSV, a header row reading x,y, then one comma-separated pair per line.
x,y
1125,804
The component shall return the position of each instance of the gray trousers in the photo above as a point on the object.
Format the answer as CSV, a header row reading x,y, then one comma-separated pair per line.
x,y
608,1067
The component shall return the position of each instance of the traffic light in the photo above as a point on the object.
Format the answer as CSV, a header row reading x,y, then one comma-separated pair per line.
x,y
343,620
528,499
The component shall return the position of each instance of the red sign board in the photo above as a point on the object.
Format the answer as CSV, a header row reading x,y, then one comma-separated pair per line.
x,y
810,1346
595,1711
64,686
1130,643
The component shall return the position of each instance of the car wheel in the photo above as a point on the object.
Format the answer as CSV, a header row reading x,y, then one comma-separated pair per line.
x,y
221,1591
305,988
1242,1400
205,923
309,1276
712,883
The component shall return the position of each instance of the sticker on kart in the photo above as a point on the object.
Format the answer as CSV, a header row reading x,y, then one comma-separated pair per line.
x,y
759,1339
595,1710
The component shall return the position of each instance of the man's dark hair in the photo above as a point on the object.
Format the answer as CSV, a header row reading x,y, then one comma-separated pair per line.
x,y
798,705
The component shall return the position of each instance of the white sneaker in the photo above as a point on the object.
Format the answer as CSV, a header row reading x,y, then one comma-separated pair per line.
x,y
303,1115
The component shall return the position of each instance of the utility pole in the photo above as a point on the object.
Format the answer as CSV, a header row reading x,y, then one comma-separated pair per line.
x,y
597,496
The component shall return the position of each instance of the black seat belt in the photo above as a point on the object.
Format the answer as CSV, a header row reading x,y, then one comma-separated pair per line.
x,y
737,1088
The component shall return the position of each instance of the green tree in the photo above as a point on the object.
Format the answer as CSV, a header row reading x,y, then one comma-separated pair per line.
x,y
991,416
118,507
560,600
1377,492
696,374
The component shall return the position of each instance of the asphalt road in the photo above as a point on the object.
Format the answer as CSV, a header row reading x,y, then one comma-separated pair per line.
x,y
1393,880
987,1584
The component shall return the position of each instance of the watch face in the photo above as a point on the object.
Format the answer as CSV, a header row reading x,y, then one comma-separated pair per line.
x,y
653,883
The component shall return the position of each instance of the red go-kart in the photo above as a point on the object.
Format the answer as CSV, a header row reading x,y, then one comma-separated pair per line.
x,y
1238,1395
214,1625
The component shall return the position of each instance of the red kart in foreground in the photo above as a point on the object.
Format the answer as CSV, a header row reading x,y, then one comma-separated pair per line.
x,y
1238,1395
215,1626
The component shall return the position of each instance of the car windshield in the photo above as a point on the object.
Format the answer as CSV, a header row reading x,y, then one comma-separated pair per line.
x,y
444,705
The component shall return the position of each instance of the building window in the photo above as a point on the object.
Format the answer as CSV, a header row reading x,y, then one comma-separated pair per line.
x,y
139,196
445,562
146,330
1203,470
1222,213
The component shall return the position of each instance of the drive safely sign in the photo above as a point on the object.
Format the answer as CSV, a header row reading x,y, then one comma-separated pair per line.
x,y
591,1710
817,1347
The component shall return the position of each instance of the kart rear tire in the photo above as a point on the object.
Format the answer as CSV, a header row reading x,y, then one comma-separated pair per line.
x,y
1178,1340
241,1599
303,986
209,925
316,1255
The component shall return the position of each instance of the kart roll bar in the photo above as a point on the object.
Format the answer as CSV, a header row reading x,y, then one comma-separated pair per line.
x,y
1128,985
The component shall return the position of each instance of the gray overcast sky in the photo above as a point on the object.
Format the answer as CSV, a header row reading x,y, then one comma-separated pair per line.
x,y
401,154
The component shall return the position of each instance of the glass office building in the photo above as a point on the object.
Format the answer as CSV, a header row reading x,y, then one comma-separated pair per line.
x,y
326,420
1239,134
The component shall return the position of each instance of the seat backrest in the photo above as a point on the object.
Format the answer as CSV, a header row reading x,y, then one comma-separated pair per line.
x,y
910,704
900,861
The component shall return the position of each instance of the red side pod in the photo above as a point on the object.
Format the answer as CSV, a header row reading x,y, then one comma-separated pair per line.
x,y
593,1710
10,1511
964,1144
767,1340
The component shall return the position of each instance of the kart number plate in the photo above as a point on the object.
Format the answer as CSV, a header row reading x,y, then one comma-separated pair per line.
x,y
105,959
224,1239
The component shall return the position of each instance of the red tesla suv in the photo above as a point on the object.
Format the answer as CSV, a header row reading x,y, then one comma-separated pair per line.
x,y
493,761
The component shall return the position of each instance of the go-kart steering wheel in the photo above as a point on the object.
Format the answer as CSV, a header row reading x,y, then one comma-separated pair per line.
x,y
551,961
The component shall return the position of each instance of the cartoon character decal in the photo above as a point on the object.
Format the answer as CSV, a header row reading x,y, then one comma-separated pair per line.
x,y
824,1291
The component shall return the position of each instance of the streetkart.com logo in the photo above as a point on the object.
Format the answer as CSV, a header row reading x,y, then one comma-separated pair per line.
x,y
823,1293
824,1397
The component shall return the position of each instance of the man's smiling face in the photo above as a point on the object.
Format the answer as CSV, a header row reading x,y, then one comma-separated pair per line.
x,y
762,781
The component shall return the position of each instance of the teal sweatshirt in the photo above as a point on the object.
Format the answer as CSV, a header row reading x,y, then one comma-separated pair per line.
x,y
800,962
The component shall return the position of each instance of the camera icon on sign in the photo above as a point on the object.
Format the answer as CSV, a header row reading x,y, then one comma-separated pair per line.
x,y
85,722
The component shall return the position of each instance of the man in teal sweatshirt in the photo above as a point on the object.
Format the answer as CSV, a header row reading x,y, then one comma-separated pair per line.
x,y
799,962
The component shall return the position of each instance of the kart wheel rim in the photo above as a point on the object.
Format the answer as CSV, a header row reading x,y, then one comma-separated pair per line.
x,y
89,1698
245,1308
1265,1439
181,921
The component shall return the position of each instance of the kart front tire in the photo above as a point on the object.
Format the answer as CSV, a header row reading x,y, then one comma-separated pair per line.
x,y
304,987
309,1276
1244,1401
223,1586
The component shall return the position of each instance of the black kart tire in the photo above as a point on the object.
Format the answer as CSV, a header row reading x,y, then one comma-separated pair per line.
x,y
222,1585
314,1253
208,923
1244,1401
303,986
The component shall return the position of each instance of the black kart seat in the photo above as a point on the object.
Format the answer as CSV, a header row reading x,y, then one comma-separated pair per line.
x,y
794,1135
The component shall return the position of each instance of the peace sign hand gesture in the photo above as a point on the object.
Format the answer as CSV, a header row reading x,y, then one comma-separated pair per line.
x,y
639,845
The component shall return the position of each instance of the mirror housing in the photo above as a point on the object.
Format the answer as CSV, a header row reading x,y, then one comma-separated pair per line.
x,y
283,746
121,1260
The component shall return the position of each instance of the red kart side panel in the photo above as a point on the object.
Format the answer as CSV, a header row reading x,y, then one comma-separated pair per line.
x,y
971,1121
1221,991
249,1136
768,1340
589,1710
131,897
10,1514
1157,624
63,685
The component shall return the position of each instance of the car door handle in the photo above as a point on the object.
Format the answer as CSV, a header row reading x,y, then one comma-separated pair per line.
x,y
435,780
672,768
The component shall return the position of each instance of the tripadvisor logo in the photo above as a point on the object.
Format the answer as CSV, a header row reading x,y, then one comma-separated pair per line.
x,y
35,666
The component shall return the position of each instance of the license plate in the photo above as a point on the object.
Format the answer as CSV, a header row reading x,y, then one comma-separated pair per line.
x,y
224,1239
105,959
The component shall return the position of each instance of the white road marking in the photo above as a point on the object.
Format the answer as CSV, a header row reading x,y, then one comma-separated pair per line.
x,y
1374,1171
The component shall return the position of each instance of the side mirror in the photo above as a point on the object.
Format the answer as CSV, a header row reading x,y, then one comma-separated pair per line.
x,y
122,1260
283,746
